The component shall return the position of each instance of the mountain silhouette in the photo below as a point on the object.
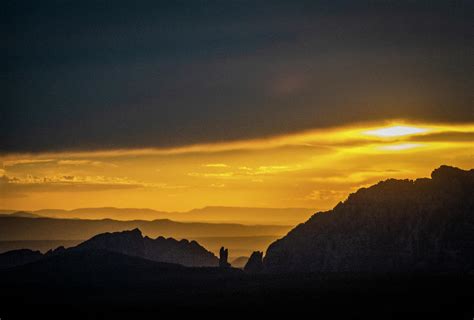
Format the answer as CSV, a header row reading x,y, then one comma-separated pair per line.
x,y
126,242
132,243
393,226
129,243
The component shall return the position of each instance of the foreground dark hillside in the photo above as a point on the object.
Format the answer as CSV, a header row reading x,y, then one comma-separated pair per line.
x,y
393,226
99,284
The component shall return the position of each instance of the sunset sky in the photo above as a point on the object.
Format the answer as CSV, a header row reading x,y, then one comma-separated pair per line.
x,y
179,105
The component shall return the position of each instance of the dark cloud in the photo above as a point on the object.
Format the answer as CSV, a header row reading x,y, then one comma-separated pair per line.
x,y
84,75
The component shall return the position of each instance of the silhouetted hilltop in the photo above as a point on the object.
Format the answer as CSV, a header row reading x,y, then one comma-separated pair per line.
x,y
187,253
18,257
132,243
126,242
395,225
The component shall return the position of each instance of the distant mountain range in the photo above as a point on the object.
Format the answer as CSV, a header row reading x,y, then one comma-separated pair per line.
x,y
14,228
19,232
22,214
242,215
393,226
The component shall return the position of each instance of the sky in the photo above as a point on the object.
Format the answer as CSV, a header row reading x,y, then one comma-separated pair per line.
x,y
183,104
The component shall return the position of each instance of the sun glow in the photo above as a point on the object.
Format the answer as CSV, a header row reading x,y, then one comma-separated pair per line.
x,y
396,131
400,146
312,169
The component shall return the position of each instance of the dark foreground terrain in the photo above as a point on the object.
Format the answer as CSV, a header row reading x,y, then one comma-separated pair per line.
x,y
101,284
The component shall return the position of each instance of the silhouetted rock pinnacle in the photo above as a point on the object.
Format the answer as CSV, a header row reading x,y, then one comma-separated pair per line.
x,y
223,257
395,225
255,263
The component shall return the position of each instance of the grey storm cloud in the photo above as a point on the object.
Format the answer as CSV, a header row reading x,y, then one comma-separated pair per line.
x,y
88,75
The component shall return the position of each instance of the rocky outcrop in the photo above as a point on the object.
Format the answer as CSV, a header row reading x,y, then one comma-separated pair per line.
x,y
393,226
161,249
255,263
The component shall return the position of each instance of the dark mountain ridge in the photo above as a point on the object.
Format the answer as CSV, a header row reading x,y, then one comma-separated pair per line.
x,y
129,243
132,243
393,226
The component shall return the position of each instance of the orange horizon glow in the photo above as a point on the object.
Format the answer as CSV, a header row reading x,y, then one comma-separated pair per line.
x,y
310,169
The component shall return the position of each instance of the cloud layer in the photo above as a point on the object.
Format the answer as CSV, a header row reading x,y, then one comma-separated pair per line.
x,y
313,169
90,75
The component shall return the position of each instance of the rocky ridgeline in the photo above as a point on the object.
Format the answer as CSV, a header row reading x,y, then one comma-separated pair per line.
x,y
132,243
393,226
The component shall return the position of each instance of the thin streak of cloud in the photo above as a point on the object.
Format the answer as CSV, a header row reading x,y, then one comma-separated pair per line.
x,y
216,165
83,180
15,162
